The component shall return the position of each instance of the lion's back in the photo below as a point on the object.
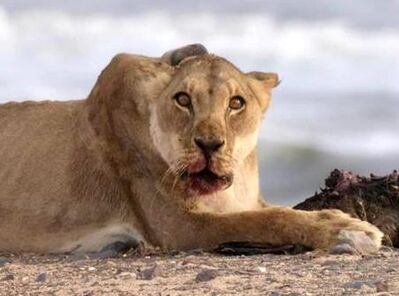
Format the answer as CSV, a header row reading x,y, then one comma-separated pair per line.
x,y
35,141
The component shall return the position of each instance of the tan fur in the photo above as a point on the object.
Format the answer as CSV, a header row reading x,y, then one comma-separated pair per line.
x,y
74,175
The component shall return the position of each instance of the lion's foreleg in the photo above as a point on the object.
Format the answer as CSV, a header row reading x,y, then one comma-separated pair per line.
x,y
326,230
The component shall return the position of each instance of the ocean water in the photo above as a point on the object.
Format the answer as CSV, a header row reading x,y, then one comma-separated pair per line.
x,y
337,105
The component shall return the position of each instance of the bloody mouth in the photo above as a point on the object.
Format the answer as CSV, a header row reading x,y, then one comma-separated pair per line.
x,y
206,182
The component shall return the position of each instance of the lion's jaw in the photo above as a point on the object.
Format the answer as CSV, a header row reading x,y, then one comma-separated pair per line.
x,y
177,130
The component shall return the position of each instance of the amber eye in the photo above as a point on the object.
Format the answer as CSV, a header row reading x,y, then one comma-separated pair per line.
x,y
183,99
236,103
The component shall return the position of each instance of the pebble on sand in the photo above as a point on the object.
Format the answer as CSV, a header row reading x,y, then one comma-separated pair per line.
x,y
206,275
4,261
42,277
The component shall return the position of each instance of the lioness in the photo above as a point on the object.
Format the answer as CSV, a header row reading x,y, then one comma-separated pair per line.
x,y
162,151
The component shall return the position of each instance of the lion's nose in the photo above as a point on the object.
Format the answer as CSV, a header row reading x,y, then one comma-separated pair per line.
x,y
209,145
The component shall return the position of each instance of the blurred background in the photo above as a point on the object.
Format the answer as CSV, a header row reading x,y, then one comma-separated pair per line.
x,y
337,105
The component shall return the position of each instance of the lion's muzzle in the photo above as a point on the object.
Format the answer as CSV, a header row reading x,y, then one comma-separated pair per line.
x,y
205,180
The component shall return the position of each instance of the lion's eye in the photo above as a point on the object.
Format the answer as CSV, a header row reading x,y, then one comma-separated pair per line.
x,y
183,99
237,103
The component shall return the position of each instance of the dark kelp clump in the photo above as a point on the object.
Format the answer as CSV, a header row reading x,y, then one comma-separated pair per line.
x,y
373,199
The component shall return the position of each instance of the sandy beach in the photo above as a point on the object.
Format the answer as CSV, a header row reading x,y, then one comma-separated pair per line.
x,y
202,274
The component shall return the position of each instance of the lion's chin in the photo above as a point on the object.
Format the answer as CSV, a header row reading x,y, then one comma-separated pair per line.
x,y
206,182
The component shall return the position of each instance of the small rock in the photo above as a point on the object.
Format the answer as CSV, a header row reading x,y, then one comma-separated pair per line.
x,y
148,274
359,284
206,275
4,261
91,268
42,277
9,277
382,286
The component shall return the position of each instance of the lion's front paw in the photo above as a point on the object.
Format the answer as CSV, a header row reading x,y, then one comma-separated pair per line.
x,y
356,242
346,235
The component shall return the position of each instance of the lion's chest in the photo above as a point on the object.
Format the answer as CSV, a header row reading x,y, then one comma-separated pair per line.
x,y
234,199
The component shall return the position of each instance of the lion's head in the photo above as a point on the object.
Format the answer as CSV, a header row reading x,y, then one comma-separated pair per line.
x,y
203,113
206,121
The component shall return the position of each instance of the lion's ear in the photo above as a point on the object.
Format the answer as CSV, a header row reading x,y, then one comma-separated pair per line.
x,y
269,80
176,56
261,84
